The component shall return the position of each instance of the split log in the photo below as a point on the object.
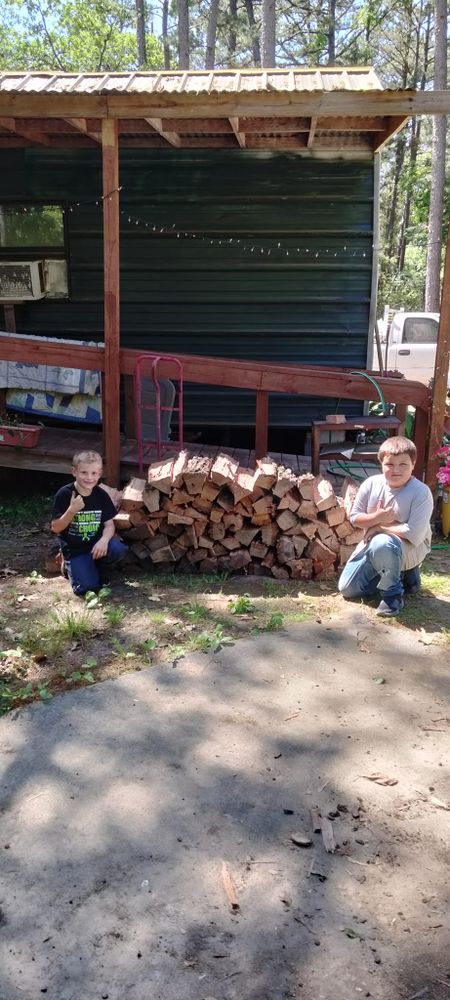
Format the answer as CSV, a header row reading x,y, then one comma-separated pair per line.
x,y
266,474
224,470
196,473
323,493
233,522
132,496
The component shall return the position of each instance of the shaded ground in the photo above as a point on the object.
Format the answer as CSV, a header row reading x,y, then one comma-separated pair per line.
x,y
120,802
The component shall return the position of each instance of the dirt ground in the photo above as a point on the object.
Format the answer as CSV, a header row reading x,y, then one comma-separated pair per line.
x,y
267,700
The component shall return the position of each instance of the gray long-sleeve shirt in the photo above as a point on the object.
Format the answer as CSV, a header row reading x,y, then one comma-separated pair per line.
x,y
413,507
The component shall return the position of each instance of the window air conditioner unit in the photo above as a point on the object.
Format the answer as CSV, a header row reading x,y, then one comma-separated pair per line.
x,y
21,280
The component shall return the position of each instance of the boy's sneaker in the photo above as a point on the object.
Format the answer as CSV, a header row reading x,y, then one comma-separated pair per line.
x,y
411,581
389,607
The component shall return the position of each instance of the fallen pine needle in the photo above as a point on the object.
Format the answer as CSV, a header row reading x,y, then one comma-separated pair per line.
x,y
230,891
289,717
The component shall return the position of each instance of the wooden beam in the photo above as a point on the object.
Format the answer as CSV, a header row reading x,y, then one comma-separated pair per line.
x,y
312,131
439,390
33,135
234,122
353,123
80,124
276,125
211,125
171,137
393,126
111,265
246,104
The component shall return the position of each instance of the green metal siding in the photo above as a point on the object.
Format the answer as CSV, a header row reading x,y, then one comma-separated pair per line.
x,y
194,296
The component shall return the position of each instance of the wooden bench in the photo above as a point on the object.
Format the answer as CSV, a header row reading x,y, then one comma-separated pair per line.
x,y
337,449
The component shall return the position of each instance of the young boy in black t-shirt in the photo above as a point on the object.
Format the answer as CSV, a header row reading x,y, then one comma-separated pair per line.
x,y
83,518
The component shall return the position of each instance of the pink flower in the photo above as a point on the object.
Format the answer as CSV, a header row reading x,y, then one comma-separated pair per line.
x,y
443,452
443,475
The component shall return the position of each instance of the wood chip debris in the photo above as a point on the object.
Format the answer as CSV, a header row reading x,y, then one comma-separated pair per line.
x,y
326,829
300,840
380,779
230,890
315,819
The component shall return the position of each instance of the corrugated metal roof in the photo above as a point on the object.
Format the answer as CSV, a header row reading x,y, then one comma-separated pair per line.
x,y
226,81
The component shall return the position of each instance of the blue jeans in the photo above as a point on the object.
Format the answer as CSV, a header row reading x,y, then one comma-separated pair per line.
x,y
377,567
85,573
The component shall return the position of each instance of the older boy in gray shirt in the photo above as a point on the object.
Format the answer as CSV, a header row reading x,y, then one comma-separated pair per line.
x,y
394,509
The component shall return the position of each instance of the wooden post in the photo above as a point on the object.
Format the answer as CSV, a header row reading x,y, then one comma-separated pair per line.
x,y
421,428
10,327
440,376
111,265
262,423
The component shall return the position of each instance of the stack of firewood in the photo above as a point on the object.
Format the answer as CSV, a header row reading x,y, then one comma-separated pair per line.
x,y
211,515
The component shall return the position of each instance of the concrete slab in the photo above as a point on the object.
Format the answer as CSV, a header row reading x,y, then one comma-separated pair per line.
x,y
120,803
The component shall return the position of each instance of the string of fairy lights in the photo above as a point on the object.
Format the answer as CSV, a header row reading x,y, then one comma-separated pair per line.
x,y
250,244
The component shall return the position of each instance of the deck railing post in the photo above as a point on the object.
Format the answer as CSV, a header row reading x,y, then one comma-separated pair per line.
x,y
262,423
111,263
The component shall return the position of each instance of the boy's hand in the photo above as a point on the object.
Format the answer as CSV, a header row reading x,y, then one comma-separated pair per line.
x,y
76,503
385,515
100,549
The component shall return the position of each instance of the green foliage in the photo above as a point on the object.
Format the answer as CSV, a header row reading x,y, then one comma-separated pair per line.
x,y
25,510
195,612
93,599
241,606
10,695
274,622
211,642
114,614
71,35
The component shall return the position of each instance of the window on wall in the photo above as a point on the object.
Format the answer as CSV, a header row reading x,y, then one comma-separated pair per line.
x,y
23,226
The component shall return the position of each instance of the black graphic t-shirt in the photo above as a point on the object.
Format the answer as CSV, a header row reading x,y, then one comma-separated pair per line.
x,y
87,526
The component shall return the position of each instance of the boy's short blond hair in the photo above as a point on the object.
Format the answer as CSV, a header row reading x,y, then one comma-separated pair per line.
x,y
88,457
397,446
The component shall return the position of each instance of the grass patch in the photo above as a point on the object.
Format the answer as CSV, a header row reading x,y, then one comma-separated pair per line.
x,y
50,635
114,614
437,583
194,612
25,510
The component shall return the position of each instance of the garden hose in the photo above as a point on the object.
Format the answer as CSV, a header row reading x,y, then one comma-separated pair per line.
x,y
377,387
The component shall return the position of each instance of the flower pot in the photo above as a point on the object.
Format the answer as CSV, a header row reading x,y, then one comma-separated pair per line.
x,y
445,512
19,435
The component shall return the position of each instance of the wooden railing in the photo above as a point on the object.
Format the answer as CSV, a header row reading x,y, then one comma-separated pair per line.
x,y
260,376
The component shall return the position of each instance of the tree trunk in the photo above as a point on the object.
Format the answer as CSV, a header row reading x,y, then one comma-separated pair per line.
x,y
332,34
140,33
232,34
268,33
211,35
256,50
432,285
165,33
183,34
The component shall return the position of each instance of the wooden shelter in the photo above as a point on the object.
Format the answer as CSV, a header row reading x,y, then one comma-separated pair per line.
x,y
317,121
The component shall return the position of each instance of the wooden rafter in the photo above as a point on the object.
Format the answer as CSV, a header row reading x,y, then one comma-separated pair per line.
x,y
312,131
82,126
234,122
171,137
395,124
37,137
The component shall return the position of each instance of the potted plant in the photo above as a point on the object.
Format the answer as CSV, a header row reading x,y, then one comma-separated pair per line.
x,y
16,434
443,478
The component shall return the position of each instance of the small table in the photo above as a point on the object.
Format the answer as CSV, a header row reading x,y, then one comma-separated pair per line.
x,y
392,424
